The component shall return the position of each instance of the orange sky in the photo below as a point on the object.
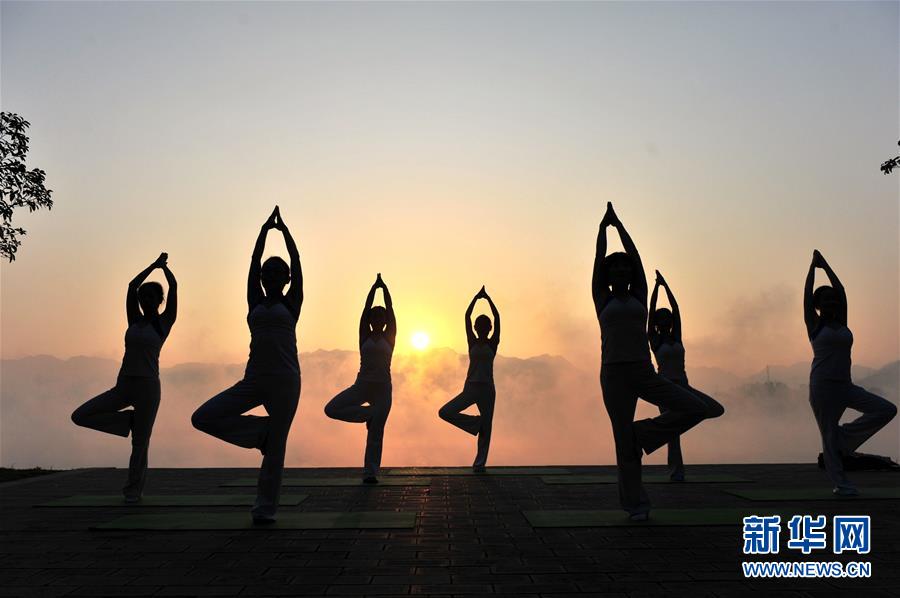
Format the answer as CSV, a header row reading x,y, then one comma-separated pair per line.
x,y
450,146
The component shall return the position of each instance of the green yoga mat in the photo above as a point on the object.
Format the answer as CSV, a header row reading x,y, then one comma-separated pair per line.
x,y
658,517
293,481
415,471
230,521
700,478
173,500
824,493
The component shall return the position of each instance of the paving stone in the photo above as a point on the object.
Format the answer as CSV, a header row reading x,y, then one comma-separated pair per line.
x,y
470,540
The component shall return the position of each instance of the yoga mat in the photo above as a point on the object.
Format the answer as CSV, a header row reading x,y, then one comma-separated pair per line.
x,y
398,471
822,493
619,518
174,500
230,521
384,481
699,478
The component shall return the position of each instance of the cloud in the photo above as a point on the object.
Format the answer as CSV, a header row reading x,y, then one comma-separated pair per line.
x,y
548,411
766,326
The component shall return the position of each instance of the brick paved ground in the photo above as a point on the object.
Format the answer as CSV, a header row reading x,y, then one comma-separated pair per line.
x,y
470,539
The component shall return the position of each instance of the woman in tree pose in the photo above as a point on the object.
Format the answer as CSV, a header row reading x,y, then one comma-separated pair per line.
x,y
831,390
664,331
479,386
619,291
272,376
137,385
377,335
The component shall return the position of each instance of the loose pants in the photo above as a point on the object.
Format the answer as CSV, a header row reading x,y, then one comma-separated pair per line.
x,y
223,417
623,384
350,406
829,400
107,413
675,459
481,394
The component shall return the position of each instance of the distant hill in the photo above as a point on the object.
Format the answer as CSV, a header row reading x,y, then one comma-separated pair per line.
x,y
548,411
886,380
798,373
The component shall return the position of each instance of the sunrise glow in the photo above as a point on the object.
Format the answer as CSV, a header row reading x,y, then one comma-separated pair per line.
x,y
420,340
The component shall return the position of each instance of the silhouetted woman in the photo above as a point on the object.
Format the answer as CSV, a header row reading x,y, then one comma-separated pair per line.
x,y
377,335
664,331
620,300
272,376
831,390
137,385
479,386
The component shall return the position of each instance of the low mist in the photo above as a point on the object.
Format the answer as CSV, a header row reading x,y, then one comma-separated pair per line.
x,y
548,411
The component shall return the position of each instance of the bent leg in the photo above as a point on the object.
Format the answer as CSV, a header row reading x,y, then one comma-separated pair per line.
x,y
379,396
282,394
713,407
876,413
683,410
348,406
222,416
103,413
620,401
144,395
451,412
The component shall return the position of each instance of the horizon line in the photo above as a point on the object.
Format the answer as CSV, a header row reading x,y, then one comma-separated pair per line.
x,y
424,352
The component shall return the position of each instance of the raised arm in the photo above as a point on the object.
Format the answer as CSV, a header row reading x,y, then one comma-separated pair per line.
x,y
254,286
651,313
838,288
132,306
599,282
391,328
169,315
495,335
676,313
810,317
295,291
470,330
364,329
639,278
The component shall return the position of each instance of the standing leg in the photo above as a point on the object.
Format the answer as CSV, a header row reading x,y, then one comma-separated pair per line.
x,y
485,400
828,402
103,413
348,406
876,413
620,400
282,394
221,416
675,460
379,395
452,411
144,395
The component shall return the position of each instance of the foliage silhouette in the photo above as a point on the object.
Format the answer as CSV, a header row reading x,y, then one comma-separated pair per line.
x,y
889,165
19,187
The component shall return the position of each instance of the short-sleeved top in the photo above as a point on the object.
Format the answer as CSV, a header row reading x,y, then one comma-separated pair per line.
x,y
375,359
670,360
831,354
481,363
273,341
623,331
143,342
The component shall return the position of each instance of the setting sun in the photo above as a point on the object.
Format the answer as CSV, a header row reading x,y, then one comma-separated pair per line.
x,y
420,340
